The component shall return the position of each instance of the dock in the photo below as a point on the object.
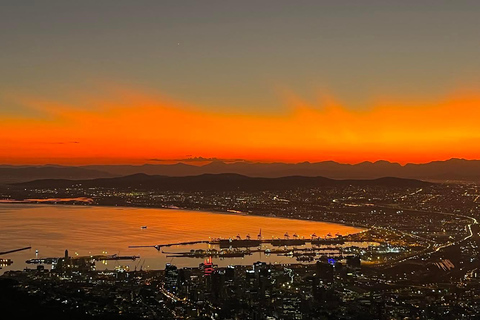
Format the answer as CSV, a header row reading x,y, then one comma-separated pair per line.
x,y
251,243
89,258
15,250
160,246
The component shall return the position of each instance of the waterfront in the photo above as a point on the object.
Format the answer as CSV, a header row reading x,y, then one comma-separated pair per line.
x,y
91,230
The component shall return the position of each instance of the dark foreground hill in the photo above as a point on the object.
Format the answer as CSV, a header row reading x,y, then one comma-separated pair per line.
x,y
218,182
453,169
13,174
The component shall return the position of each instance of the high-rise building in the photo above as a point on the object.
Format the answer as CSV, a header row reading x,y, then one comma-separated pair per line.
x,y
171,277
208,266
353,262
324,273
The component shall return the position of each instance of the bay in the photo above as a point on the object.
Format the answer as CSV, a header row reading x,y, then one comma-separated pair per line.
x,y
90,230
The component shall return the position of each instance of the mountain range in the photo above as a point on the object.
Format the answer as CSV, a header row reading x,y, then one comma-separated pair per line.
x,y
218,182
453,169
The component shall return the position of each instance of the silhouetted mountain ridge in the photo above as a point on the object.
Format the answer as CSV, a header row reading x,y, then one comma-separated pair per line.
x,y
12,174
453,169
218,182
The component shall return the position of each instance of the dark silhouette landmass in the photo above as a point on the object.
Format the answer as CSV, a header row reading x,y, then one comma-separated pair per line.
x,y
12,174
218,182
453,169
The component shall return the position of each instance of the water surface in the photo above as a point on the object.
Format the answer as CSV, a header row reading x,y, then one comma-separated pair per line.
x,y
86,230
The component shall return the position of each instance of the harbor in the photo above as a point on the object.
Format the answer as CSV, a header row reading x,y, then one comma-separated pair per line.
x,y
247,242
299,248
46,231
101,257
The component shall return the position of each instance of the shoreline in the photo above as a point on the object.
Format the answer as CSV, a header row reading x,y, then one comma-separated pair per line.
x,y
360,228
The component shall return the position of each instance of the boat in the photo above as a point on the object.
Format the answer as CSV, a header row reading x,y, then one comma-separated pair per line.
x,y
305,258
287,242
236,243
5,262
144,227
116,257
199,253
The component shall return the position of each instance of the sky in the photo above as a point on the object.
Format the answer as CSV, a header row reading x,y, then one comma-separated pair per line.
x,y
129,81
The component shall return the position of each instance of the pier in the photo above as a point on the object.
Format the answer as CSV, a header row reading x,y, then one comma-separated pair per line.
x,y
159,246
15,250
88,258
301,253
251,243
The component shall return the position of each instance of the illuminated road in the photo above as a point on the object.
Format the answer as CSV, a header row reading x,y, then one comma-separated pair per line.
x,y
469,230
427,250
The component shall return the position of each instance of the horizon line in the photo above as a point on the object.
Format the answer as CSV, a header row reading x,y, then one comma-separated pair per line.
x,y
201,163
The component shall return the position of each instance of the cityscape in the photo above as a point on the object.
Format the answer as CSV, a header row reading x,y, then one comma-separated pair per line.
x,y
240,160
416,257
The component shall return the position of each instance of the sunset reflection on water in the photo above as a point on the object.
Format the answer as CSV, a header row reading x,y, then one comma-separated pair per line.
x,y
93,230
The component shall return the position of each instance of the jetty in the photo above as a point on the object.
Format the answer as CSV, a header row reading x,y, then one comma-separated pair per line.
x,y
78,258
15,250
251,243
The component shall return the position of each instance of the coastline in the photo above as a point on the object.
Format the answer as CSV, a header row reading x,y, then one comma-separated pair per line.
x,y
360,228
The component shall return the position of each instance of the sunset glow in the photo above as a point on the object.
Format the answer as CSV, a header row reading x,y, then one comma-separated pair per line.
x,y
252,160
131,127
102,83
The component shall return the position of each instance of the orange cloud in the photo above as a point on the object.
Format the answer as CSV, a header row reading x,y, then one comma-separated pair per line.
x,y
131,128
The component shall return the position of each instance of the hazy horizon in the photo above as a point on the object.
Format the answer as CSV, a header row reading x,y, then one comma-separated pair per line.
x,y
117,81
199,163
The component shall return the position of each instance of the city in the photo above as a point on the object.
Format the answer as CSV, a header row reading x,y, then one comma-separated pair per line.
x,y
240,160
417,257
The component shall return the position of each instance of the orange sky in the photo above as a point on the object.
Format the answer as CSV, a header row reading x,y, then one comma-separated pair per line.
x,y
392,71
132,127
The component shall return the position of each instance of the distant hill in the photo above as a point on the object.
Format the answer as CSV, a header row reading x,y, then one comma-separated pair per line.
x,y
453,169
219,182
12,174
